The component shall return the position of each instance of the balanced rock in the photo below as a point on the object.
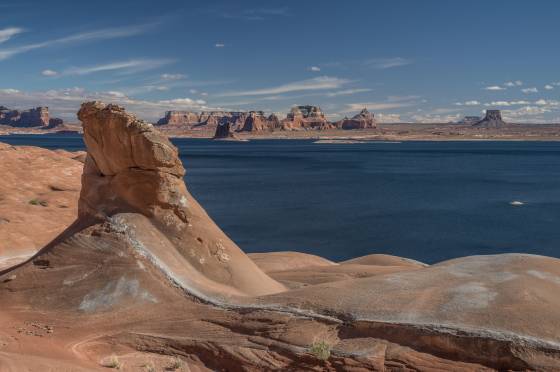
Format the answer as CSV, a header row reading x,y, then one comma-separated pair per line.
x,y
133,175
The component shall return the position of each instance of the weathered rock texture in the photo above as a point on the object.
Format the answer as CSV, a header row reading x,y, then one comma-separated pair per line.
x,y
363,120
133,169
493,119
35,117
145,274
39,192
306,117
223,131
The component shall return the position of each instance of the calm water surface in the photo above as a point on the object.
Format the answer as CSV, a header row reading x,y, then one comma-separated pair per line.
x,y
429,201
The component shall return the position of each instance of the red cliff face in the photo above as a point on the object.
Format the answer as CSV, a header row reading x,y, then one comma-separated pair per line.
x,y
306,117
363,120
35,117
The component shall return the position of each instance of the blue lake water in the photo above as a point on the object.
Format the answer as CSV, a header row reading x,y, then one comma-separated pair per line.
x,y
428,201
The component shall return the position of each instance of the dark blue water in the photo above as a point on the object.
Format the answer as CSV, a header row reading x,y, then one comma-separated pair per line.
x,y
425,200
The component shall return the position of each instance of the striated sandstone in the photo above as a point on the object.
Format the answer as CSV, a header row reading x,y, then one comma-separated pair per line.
x,y
146,275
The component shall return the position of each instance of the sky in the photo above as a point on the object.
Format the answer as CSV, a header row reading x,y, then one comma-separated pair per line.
x,y
405,60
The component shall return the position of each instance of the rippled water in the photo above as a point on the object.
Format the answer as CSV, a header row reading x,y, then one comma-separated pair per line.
x,y
425,200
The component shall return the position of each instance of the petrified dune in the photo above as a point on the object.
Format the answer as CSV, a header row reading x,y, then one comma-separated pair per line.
x,y
38,198
145,274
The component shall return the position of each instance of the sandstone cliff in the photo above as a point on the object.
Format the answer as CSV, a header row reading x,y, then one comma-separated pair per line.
x,y
35,117
306,117
363,120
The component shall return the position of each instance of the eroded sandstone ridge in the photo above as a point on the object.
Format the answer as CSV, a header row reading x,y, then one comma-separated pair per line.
x,y
363,120
35,117
133,171
145,277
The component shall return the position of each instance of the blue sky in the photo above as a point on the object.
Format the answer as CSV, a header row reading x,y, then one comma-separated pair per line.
x,y
406,60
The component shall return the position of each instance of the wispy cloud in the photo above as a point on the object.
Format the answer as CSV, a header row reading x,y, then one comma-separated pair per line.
x,y
259,14
530,90
494,87
348,92
506,103
468,103
385,63
318,83
314,68
435,118
170,77
511,84
548,87
103,34
49,73
66,102
7,33
125,67
219,45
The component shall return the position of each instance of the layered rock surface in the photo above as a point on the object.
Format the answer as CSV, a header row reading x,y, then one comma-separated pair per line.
x,y
35,117
362,120
306,117
39,192
145,274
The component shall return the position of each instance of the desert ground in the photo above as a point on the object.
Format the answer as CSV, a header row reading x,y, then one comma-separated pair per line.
x,y
108,262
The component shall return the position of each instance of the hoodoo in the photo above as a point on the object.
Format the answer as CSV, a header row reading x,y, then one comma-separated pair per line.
x,y
134,201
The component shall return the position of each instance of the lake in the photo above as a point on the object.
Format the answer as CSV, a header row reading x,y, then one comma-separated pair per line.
x,y
429,201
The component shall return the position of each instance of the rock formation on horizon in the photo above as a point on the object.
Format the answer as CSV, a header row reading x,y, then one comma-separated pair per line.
x,y
493,119
35,117
363,120
306,117
223,131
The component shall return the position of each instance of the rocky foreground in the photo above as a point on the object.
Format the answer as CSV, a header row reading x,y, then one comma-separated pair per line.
x,y
143,279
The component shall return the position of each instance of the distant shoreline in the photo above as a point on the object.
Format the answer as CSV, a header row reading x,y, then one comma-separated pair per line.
x,y
384,133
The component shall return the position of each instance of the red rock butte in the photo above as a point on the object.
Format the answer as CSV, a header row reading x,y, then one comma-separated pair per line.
x,y
144,276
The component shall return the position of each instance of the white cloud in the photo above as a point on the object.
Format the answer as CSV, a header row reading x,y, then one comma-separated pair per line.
x,y
434,118
103,34
348,92
495,87
130,66
384,63
376,106
530,90
468,103
388,118
48,72
314,68
506,103
516,83
318,83
219,45
7,33
173,76
548,87
66,102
